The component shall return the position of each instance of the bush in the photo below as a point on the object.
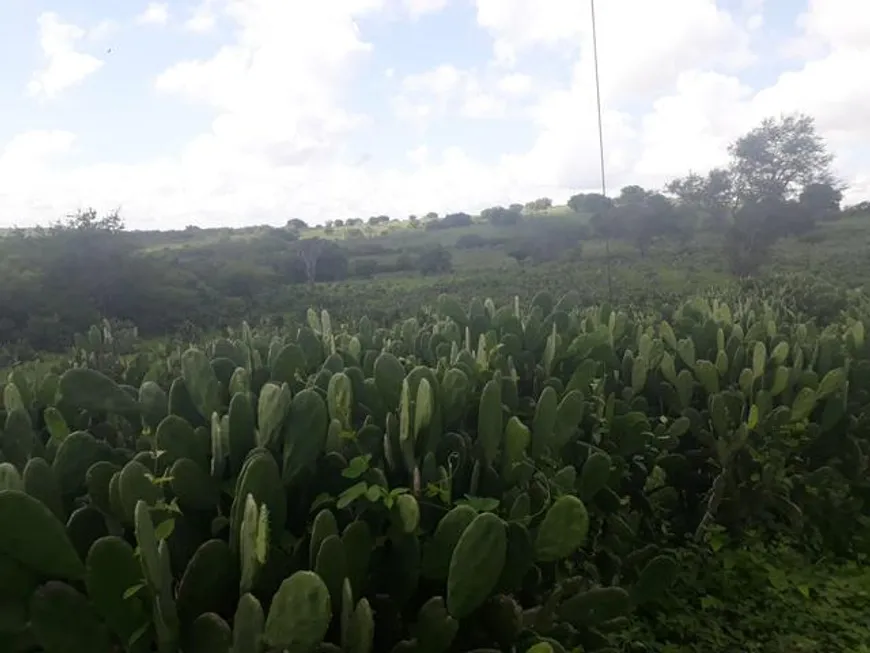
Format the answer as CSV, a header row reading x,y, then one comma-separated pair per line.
x,y
472,241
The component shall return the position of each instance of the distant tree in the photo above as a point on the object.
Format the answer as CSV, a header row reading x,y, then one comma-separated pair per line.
x,y
338,223
516,208
88,220
593,203
755,228
354,232
822,201
501,216
450,221
413,219
711,196
779,158
521,254
540,204
296,223
861,208
435,260
378,219
353,222
431,216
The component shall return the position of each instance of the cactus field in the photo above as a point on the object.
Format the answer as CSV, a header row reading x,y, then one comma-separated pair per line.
x,y
543,476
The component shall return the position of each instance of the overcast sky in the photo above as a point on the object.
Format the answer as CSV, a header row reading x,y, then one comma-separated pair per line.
x,y
238,112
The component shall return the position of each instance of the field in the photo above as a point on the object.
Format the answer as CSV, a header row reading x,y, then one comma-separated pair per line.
x,y
505,456
630,424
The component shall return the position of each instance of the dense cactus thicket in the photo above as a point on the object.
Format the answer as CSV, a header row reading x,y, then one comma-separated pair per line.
x,y
477,478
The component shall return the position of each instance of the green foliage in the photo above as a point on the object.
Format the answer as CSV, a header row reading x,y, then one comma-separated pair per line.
x,y
531,476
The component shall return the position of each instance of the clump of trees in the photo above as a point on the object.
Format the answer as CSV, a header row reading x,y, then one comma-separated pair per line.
x,y
779,182
501,216
449,221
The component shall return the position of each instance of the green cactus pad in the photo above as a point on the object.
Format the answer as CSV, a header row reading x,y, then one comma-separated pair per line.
x,y
300,614
563,531
95,392
476,564
64,622
112,570
39,540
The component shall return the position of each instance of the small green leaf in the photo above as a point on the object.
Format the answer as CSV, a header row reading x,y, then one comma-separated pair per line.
x,y
130,592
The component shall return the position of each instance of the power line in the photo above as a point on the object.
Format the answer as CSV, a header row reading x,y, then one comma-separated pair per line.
x,y
601,148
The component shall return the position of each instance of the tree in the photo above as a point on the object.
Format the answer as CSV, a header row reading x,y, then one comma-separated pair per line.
x,y
822,201
593,203
338,223
435,260
450,221
540,204
710,196
521,254
780,157
430,216
87,220
501,216
296,223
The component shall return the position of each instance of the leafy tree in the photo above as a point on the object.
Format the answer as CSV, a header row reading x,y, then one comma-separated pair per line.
x,y
296,223
711,196
88,220
503,217
780,157
822,201
431,216
521,254
435,260
593,203
540,204
450,221
338,223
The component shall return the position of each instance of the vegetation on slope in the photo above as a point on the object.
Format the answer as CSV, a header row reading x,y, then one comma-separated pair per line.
x,y
776,208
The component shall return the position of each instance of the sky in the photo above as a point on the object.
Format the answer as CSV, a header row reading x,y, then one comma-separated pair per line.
x,y
246,112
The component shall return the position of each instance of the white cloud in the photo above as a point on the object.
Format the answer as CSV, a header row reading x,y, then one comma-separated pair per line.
x,y
203,18
446,90
65,66
517,84
102,30
156,13
418,8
